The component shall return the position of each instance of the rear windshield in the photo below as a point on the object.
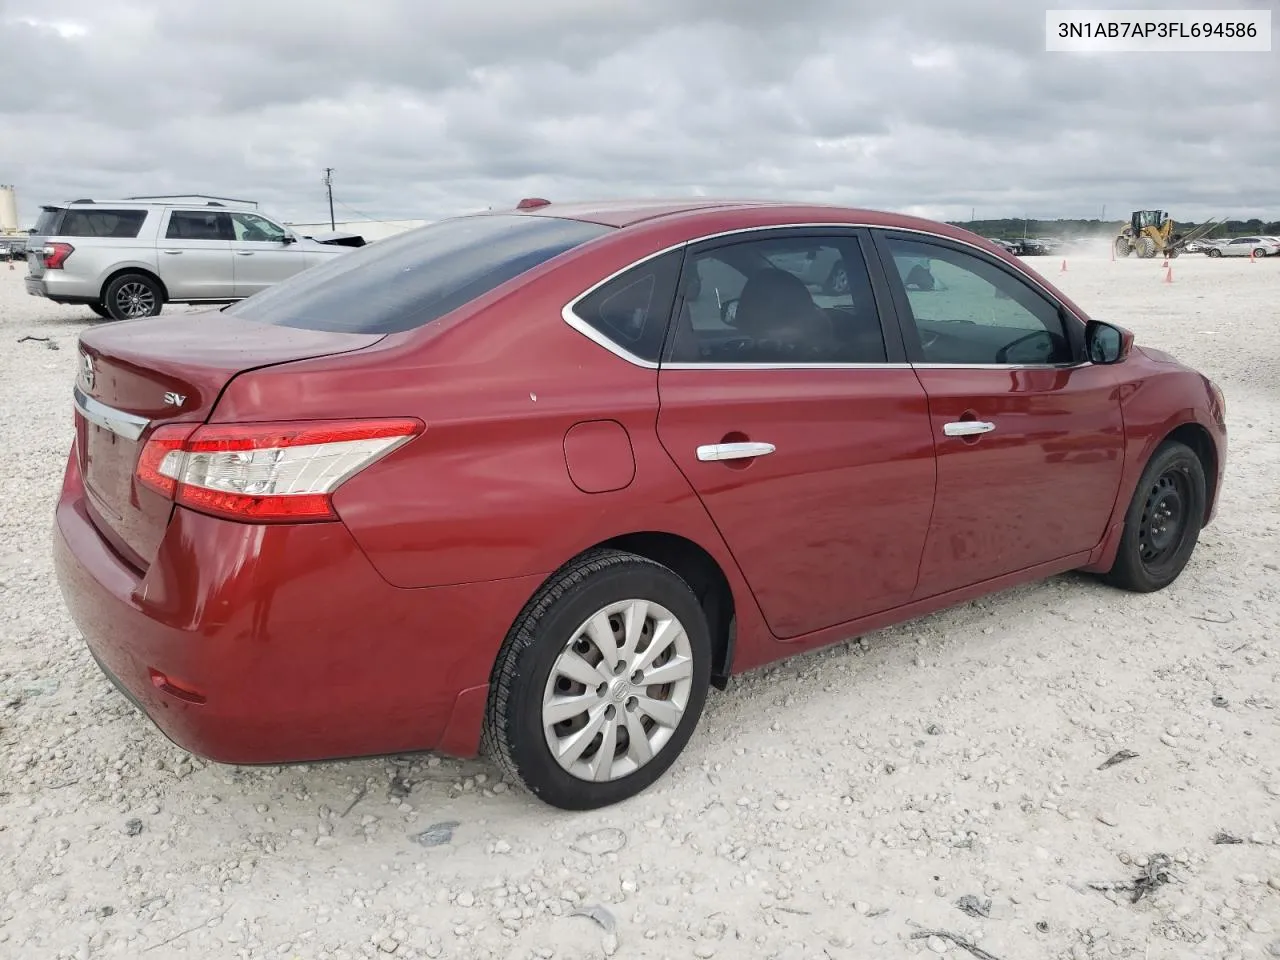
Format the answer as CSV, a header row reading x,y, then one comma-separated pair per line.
x,y
78,222
409,280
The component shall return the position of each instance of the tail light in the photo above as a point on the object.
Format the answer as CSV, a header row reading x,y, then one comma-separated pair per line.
x,y
265,472
55,255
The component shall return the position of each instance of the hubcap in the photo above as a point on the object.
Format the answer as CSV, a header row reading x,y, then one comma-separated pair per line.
x,y
618,690
1164,517
135,300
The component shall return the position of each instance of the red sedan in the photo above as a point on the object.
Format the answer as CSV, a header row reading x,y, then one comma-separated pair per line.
x,y
539,478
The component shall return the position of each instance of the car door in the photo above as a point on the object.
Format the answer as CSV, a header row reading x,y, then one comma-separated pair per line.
x,y
800,426
194,258
265,253
1028,435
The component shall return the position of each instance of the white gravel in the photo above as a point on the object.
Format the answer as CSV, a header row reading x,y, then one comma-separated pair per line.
x,y
835,806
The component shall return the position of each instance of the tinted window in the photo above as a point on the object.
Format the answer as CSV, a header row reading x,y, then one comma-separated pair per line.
x,y
101,223
47,224
198,225
250,226
416,277
781,300
967,310
632,309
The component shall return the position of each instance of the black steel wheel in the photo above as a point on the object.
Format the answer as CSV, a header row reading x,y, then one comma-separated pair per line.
x,y
1163,522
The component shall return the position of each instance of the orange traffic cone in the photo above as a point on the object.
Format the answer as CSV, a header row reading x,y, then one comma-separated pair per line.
x,y
1064,267
1166,262
1251,257
1168,275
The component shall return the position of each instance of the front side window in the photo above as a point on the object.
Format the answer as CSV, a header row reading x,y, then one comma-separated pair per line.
x,y
418,276
967,311
783,300
250,226
198,225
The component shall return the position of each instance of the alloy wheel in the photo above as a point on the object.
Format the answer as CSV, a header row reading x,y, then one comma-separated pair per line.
x,y
135,299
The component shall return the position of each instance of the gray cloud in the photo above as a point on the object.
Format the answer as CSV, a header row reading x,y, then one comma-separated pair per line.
x,y
428,109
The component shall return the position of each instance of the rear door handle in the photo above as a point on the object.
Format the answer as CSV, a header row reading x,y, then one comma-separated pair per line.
x,y
733,451
967,428
172,251
244,253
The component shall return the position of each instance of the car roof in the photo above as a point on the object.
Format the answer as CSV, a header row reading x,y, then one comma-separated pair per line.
x,y
700,212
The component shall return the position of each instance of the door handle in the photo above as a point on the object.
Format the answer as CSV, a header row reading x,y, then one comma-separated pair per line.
x,y
967,428
244,253
172,251
733,451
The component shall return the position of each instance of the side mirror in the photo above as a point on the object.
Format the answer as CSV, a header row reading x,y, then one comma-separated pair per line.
x,y
729,312
1105,343
288,238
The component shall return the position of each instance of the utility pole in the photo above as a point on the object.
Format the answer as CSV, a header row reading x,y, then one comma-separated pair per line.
x,y
328,182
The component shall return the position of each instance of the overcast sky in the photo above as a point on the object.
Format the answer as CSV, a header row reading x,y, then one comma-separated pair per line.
x,y
426,108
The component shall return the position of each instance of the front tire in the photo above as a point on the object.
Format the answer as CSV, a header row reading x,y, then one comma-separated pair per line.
x,y
1215,252
132,296
1163,521
574,713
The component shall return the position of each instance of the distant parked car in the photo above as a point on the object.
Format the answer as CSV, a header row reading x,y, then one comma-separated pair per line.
x,y
550,475
1246,246
126,259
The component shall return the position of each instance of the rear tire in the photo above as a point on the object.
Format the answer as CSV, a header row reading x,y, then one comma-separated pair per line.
x,y
132,296
554,664
1260,252
1123,247
1215,252
1146,248
1163,521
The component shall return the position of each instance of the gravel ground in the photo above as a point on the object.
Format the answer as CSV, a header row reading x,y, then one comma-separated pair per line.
x,y
835,806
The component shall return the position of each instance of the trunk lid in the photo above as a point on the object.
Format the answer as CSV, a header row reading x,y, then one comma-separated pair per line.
x,y
137,375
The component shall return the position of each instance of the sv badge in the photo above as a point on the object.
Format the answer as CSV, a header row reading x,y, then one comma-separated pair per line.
x,y
175,399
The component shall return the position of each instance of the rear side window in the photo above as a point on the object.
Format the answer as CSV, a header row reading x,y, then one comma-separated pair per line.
x,y
411,279
631,310
198,225
119,224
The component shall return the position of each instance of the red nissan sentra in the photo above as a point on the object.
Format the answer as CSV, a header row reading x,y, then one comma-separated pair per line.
x,y
539,478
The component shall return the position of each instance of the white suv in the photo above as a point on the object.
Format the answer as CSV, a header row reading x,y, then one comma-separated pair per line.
x,y
127,259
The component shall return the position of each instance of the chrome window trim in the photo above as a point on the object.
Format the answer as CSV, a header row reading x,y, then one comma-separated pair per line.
x,y
127,425
577,323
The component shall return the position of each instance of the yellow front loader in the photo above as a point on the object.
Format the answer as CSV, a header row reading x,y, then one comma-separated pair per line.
x,y
1149,233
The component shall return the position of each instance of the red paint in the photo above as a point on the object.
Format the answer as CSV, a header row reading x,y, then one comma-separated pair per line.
x,y
1039,487
376,632
831,528
598,456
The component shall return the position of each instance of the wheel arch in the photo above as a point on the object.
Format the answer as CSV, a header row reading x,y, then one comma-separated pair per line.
x,y
121,271
1195,436
704,575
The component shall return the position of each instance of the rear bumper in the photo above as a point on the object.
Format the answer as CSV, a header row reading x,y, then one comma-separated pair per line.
x,y
276,644
61,288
